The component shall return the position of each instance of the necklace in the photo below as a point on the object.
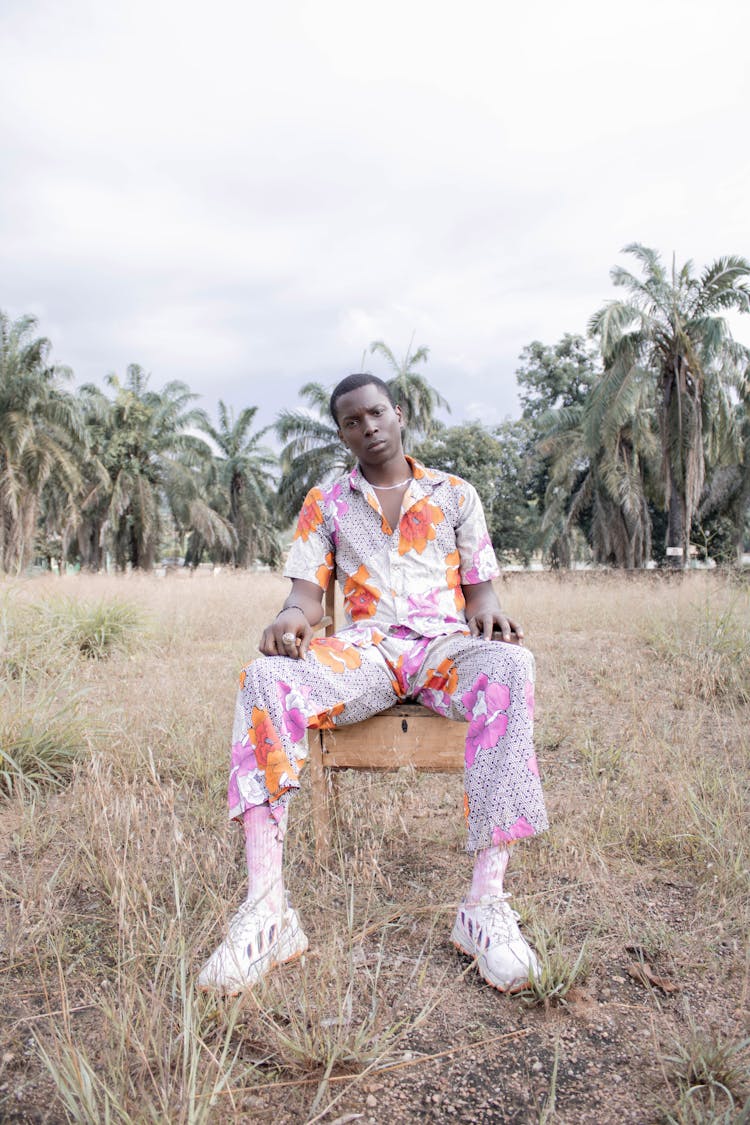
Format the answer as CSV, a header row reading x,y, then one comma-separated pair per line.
x,y
388,487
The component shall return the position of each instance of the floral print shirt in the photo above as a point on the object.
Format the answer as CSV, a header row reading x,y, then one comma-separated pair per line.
x,y
408,578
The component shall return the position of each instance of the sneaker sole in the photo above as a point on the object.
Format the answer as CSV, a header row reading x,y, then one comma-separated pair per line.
x,y
515,986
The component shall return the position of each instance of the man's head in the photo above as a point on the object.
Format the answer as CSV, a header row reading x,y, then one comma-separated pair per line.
x,y
368,421
353,383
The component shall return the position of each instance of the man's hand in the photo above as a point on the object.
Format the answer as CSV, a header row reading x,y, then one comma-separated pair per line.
x,y
289,635
488,623
291,632
485,617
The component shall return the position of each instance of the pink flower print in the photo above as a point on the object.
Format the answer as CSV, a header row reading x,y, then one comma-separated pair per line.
x,y
530,699
245,778
423,605
438,701
414,658
333,498
486,705
294,710
517,831
337,507
533,765
484,563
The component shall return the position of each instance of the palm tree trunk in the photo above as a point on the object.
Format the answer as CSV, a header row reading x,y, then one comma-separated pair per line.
x,y
676,536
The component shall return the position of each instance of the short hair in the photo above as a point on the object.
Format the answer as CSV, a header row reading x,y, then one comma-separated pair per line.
x,y
353,383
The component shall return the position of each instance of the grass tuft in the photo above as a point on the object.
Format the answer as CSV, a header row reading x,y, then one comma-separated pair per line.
x,y
711,1073
42,735
95,629
558,971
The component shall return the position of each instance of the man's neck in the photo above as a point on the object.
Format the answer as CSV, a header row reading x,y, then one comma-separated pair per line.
x,y
395,472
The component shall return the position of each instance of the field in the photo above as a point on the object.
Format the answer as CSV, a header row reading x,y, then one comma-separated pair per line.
x,y
118,871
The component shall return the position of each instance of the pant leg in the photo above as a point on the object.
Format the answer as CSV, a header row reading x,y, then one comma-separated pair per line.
x,y
280,699
490,685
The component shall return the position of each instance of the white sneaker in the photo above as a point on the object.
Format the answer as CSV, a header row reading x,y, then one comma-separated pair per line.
x,y
488,931
257,940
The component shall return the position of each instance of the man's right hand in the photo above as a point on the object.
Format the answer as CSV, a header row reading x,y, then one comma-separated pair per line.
x,y
289,635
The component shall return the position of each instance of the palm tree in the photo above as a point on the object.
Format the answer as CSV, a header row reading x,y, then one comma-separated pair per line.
x,y
313,452
41,436
671,330
242,475
414,394
141,453
727,493
602,460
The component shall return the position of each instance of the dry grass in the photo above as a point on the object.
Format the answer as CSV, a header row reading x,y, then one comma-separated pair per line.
x,y
115,886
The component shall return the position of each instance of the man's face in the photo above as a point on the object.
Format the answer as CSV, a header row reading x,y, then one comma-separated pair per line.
x,y
369,425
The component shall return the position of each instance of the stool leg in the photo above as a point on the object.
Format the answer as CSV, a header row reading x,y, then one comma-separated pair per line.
x,y
320,814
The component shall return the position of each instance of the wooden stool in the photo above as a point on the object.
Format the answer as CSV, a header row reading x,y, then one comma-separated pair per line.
x,y
405,735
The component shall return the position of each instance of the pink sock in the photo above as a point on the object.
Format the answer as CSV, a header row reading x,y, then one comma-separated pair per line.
x,y
489,869
264,848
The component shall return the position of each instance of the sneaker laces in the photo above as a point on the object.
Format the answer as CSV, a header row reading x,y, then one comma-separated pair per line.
x,y
498,919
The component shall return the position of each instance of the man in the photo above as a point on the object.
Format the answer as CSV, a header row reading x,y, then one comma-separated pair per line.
x,y
409,546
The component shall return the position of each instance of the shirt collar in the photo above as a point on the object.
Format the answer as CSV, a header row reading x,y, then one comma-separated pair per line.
x,y
424,479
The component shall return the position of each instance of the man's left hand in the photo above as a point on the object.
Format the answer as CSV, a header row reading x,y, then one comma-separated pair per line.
x,y
485,624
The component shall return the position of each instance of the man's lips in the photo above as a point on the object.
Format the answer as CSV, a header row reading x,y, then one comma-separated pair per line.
x,y
376,444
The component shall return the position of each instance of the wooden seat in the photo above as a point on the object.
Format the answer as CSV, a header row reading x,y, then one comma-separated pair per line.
x,y
405,735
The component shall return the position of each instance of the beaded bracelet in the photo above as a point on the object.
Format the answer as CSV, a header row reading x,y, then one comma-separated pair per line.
x,y
286,607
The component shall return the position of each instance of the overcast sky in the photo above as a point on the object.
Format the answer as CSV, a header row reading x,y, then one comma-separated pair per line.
x,y
245,195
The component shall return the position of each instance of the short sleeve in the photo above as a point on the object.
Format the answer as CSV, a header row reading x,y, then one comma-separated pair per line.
x,y
478,562
311,554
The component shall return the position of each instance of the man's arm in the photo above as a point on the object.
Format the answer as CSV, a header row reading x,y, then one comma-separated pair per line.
x,y
484,614
301,611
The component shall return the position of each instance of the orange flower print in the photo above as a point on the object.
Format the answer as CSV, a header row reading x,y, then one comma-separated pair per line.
x,y
444,677
311,516
452,576
326,719
335,653
440,686
417,527
466,807
360,598
269,754
453,579
243,677
324,571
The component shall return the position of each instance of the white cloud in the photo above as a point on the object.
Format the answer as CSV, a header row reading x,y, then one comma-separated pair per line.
x,y
245,195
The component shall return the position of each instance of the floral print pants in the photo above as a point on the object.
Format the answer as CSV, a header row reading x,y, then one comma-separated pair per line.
x,y
487,684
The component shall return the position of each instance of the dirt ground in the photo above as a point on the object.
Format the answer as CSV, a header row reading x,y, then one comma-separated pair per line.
x,y
637,898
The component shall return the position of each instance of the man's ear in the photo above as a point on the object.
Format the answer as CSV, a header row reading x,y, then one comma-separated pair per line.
x,y
399,414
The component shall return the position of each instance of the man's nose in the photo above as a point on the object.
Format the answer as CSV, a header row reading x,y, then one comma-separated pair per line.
x,y
371,425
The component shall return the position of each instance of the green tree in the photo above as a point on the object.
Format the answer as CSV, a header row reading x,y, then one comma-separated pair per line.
x,y
724,513
496,464
551,377
243,472
554,381
671,329
600,468
42,437
141,448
